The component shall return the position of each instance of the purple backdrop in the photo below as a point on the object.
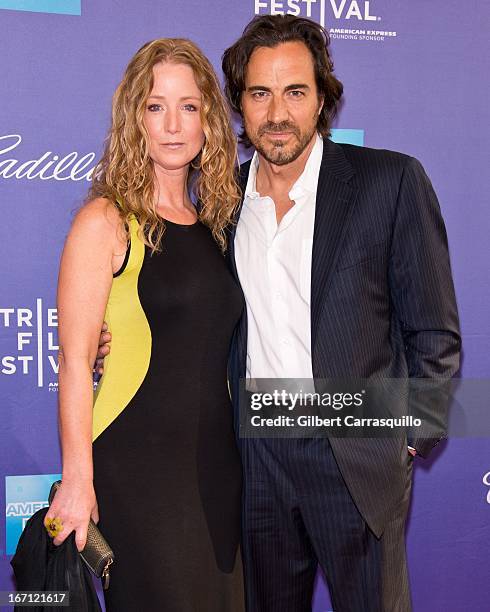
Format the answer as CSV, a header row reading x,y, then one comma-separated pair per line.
x,y
419,86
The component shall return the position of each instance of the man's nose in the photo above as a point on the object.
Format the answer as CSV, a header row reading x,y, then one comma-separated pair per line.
x,y
277,111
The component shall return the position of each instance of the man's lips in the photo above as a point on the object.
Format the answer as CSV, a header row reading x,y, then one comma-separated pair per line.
x,y
278,135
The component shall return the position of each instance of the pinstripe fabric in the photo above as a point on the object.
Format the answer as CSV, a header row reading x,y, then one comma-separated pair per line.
x,y
298,513
382,306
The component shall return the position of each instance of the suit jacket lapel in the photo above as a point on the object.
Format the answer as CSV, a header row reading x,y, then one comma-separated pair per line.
x,y
242,181
334,204
238,352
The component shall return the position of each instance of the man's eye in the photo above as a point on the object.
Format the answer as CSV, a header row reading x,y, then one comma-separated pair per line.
x,y
154,107
259,94
296,93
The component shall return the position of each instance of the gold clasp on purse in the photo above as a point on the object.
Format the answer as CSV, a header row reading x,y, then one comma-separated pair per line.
x,y
105,575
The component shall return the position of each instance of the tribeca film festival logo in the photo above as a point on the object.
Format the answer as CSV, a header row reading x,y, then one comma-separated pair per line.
x,y
48,166
33,337
352,12
24,495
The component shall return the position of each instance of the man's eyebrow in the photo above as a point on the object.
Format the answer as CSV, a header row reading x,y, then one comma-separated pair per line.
x,y
291,87
258,88
296,86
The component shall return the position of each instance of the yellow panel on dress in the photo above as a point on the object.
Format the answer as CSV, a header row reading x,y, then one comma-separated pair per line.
x,y
127,364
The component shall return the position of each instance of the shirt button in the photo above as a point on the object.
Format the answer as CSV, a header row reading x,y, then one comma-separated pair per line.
x,y
286,341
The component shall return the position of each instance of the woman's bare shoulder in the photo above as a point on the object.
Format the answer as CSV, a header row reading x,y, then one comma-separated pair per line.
x,y
99,218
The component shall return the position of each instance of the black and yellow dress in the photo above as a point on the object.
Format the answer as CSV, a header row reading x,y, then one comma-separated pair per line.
x,y
167,472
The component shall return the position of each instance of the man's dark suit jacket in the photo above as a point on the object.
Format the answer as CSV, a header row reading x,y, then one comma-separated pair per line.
x,y
382,301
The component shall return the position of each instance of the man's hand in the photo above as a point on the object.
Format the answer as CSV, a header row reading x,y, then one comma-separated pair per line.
x,y
104,348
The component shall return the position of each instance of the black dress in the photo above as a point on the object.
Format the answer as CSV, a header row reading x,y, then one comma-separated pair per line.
x,y
166,468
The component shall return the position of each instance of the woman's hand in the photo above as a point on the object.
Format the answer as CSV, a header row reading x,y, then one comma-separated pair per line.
x,y
75,504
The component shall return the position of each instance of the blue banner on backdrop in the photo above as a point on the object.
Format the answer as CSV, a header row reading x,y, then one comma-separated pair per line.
x,y
24,495
64,7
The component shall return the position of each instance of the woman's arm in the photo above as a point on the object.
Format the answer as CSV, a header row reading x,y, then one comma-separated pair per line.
x,y
83,289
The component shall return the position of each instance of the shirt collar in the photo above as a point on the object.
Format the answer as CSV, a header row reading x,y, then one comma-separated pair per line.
x,y
307,182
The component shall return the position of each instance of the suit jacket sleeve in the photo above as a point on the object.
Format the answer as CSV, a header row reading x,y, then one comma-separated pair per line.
x,y
423,298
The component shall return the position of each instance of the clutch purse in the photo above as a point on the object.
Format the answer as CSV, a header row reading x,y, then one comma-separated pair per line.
x,y
97,554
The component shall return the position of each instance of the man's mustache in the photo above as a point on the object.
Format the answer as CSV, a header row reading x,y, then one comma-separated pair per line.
x,y
271,127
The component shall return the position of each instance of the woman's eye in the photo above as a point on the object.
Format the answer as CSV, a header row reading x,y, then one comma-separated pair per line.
x,y
190,107
154,107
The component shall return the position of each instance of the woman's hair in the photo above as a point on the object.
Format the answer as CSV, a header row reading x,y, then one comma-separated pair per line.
x,y
125,174
273,30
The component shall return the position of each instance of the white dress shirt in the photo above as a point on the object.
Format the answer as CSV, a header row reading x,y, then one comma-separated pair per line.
x,y
274,268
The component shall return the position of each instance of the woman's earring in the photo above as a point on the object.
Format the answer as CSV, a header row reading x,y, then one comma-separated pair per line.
x,y
196,162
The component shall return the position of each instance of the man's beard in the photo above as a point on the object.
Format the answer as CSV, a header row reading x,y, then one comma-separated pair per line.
x,y
277,153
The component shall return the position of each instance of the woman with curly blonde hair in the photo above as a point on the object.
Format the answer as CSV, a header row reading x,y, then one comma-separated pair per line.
x,y
154,455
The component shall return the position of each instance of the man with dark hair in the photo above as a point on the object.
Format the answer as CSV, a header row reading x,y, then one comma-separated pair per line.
x,y
342,255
